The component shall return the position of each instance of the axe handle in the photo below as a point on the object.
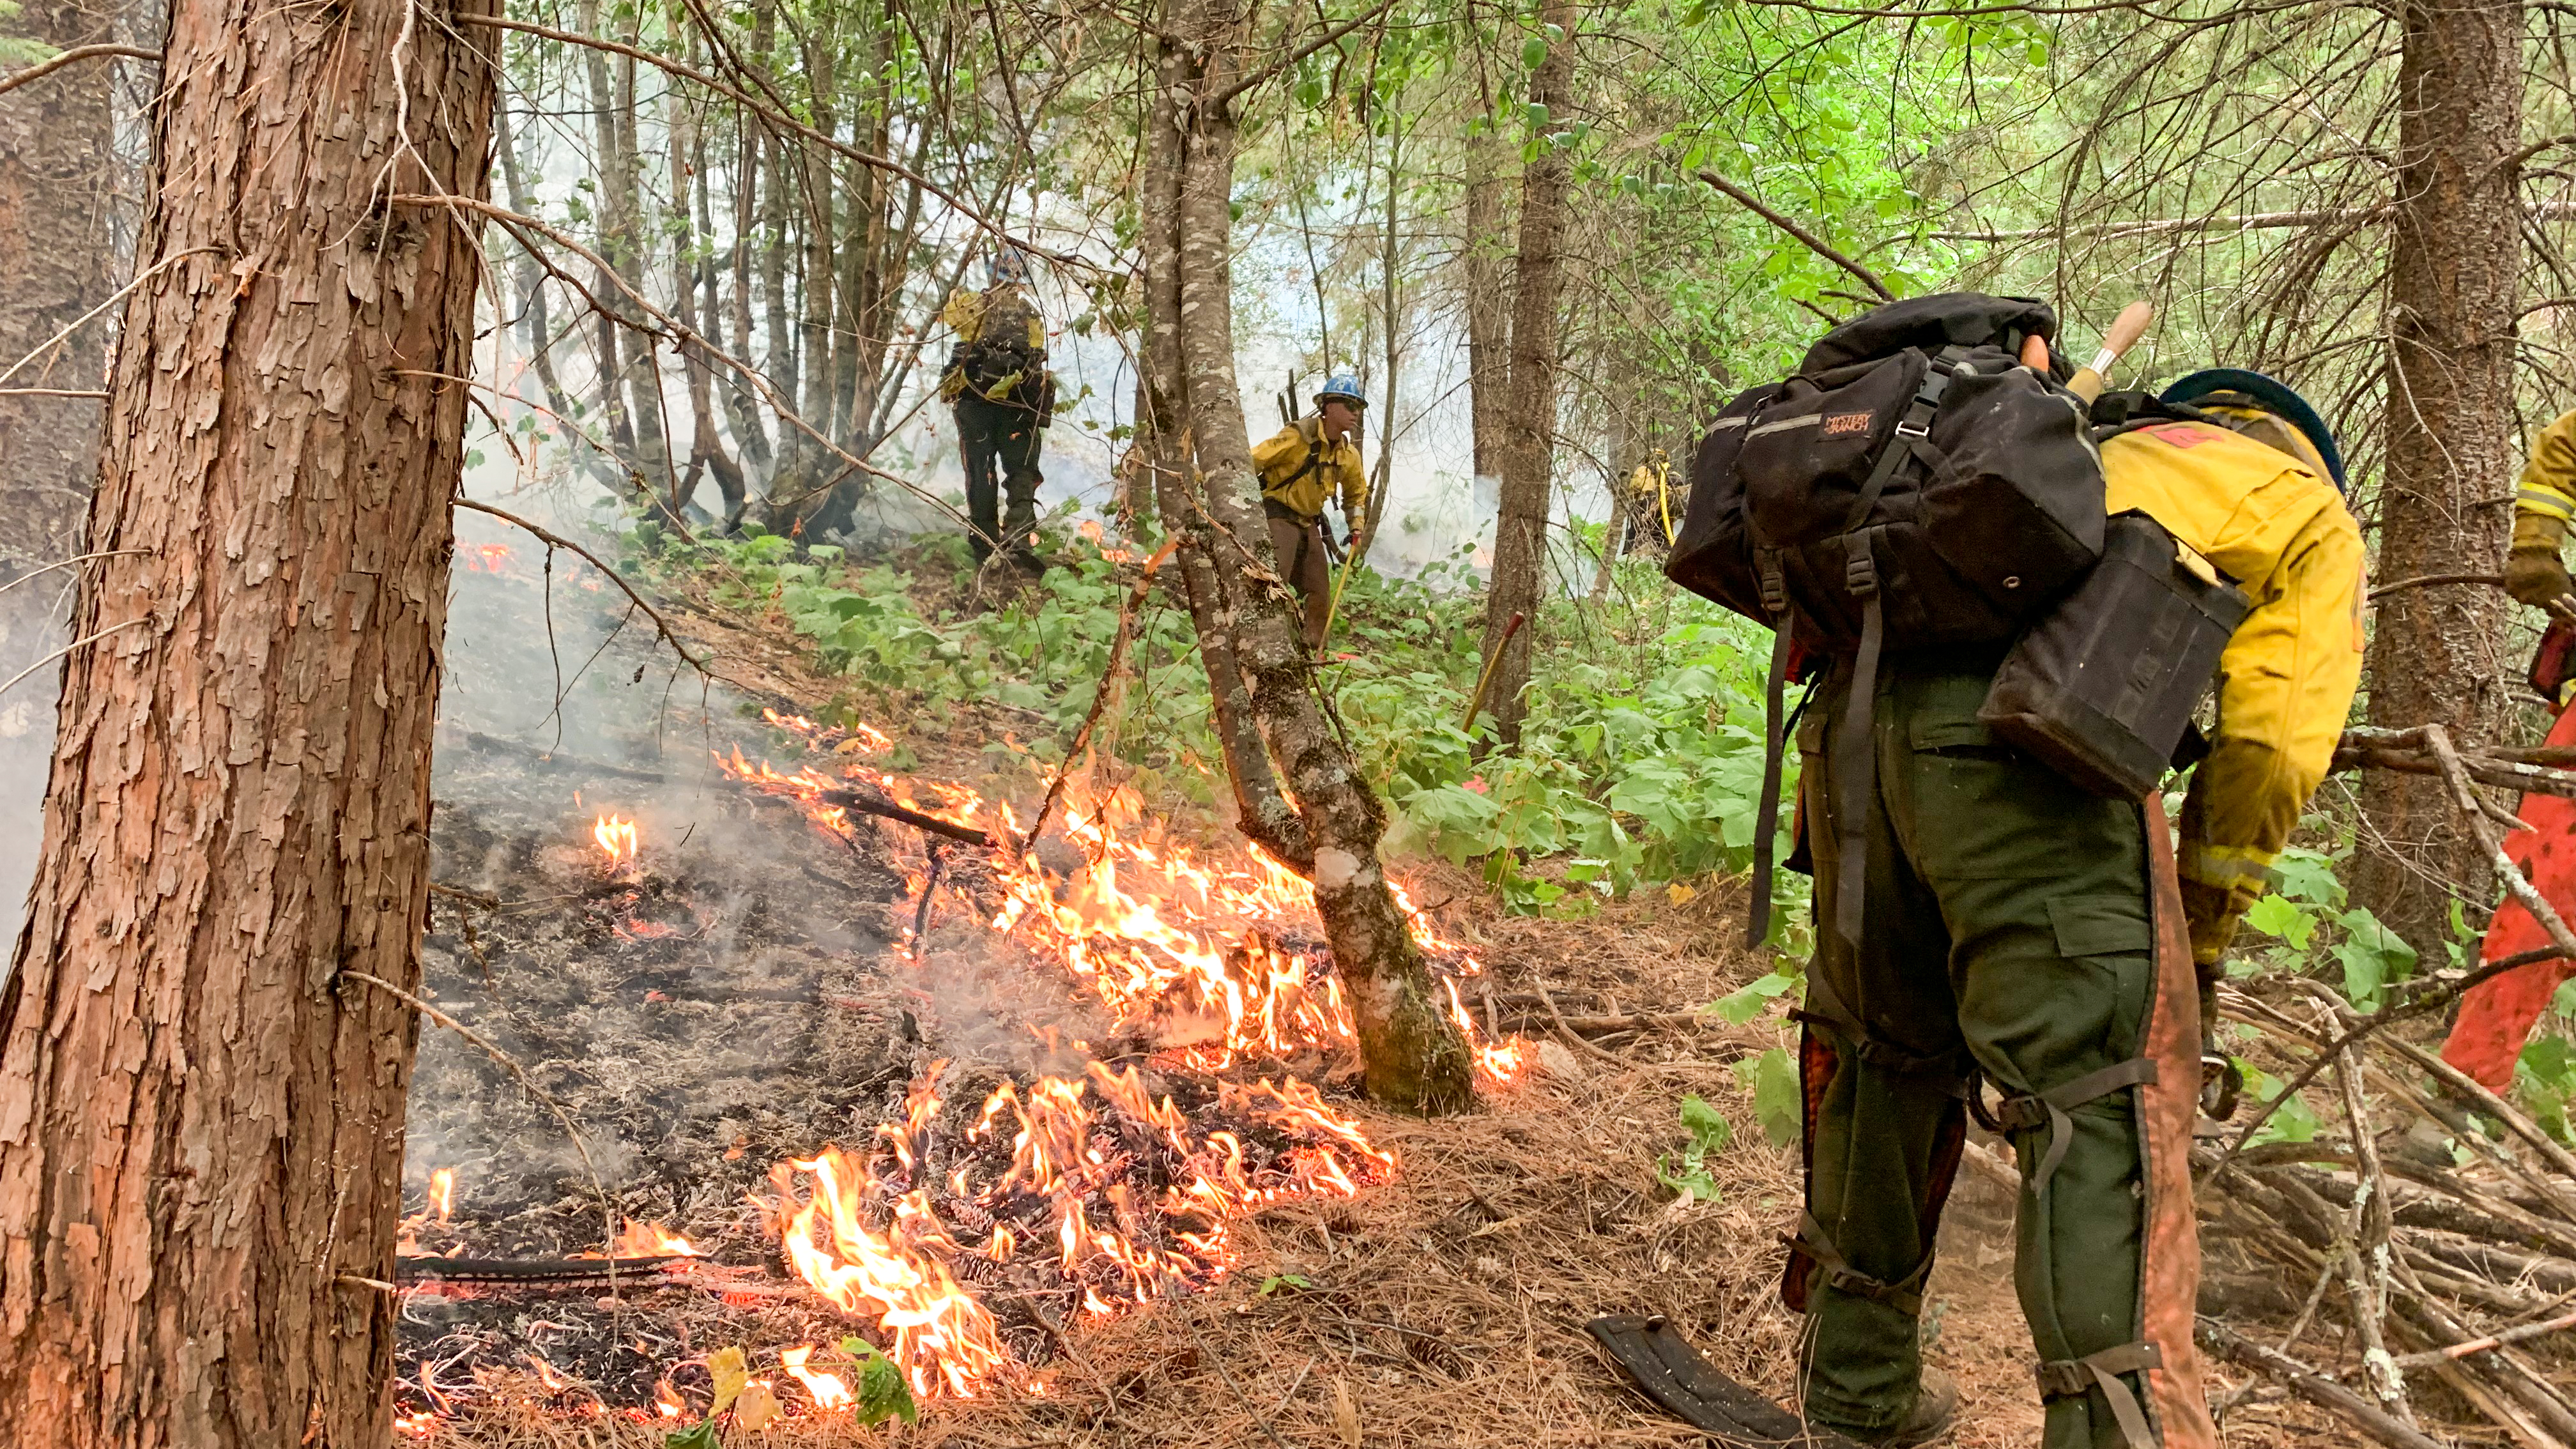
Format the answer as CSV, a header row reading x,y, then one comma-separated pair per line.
x,y
2125,331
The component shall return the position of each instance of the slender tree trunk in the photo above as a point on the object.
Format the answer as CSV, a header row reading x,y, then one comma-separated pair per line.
x,y
1520,534
535,313
1262,813
201,1116
774,300
1391,302
1489,301
2456,256
742,407
688,270
1411,1057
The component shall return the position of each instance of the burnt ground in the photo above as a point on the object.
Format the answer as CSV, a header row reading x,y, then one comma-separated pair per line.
x,y
763,1010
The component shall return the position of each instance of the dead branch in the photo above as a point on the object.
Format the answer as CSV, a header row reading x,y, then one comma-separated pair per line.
x,y
2312,1386
2431,581
528,1084
73,56
15,679
553,539
869,802
1108,681
1813,242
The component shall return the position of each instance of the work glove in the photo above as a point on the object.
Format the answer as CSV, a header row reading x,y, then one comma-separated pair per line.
x,y
2534,573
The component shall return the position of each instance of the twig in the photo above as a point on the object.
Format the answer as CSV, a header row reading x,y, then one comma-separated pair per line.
x,y
1100,698
1566,1033
489,903
76,54
661,625
929,888
68,648
92,393
2366,1256
1814,243
1209,1357
68,562
607,1213
2492,1341
2431,581
2308,1384
84,319
1290,60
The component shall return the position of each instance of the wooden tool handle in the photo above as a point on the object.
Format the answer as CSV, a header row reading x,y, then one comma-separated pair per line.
x,y
2125,331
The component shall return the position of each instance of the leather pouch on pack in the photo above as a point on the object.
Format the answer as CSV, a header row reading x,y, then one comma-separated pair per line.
x,y
2103,688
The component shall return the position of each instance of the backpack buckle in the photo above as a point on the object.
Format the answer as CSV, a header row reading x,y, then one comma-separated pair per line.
x,y
1860,574
1908,428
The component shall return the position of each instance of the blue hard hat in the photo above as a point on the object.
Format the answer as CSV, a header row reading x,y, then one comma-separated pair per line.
x,y
2236,386
1343,387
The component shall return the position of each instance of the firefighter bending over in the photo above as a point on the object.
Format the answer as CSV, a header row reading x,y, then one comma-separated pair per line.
x,y
2018,928
1305,465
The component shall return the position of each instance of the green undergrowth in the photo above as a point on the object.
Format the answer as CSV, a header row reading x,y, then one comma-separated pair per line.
x,y
1640,764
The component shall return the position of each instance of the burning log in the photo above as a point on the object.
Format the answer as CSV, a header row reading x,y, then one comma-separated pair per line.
x,y
433,1269
868,802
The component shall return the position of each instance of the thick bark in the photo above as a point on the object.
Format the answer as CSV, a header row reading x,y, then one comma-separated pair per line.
x,y
201,1118
1520,533
1411,1057
2435,655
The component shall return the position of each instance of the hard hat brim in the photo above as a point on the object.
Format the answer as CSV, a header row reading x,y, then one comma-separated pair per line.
x,y
2272,396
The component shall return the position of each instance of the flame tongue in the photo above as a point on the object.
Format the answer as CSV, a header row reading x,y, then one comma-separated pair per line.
x,y
615,835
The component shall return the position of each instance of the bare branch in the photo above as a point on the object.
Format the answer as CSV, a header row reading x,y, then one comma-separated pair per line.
x,y
42,69
1813,242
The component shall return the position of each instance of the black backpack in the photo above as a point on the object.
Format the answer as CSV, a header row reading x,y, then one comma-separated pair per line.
x,y
1911,485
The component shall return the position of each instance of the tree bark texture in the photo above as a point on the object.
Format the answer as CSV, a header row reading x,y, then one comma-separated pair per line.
x,y
1411,1057
201,1118
1262,813
1529,422
2444,506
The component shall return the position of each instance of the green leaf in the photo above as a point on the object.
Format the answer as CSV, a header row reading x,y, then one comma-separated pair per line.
x,y
2281,917
2372,956
1533,53
883,1393
1777,1100
2307,875
701,1435
1705,1124
1741,1006
1536,115
1277,1281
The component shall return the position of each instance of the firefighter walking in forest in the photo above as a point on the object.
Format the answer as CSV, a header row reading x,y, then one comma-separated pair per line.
x,y
2018,932
2497,1014
998,384
1305,465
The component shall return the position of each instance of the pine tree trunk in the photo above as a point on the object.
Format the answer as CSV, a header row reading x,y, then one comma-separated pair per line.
x,y
2436,654
1411,1057
201,1117
1520,534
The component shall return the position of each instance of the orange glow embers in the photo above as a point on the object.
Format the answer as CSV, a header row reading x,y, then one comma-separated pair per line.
x,y
615,835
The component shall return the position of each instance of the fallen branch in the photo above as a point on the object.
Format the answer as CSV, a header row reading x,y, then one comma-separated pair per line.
x,y
869,802
2492,1341
1100,697
2312,1386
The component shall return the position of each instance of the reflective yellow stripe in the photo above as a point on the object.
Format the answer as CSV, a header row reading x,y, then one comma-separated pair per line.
x,y
2547,502
2224,866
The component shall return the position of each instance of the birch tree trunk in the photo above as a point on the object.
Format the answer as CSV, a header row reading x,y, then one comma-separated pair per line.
x,y
1529,424
2445,504
1489,302
1411,1057
201,1116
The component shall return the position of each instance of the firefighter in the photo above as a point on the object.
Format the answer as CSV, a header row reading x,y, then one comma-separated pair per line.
x,y
998,384
2018,930
2497,1014
1305,465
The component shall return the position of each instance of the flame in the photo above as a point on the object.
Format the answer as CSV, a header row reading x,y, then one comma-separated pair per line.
x,y
616,837
668,1400
442,1192
422,1424
830,1391
650,1240
943,1338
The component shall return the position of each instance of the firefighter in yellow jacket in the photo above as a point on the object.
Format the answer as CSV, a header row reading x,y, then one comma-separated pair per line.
x,y
2534,572
2018,927
1305,465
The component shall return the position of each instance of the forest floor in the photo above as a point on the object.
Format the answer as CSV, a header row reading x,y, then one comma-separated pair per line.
x,y
1442,1306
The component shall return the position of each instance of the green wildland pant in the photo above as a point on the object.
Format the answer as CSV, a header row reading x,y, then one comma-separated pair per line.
x,y
2008,930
